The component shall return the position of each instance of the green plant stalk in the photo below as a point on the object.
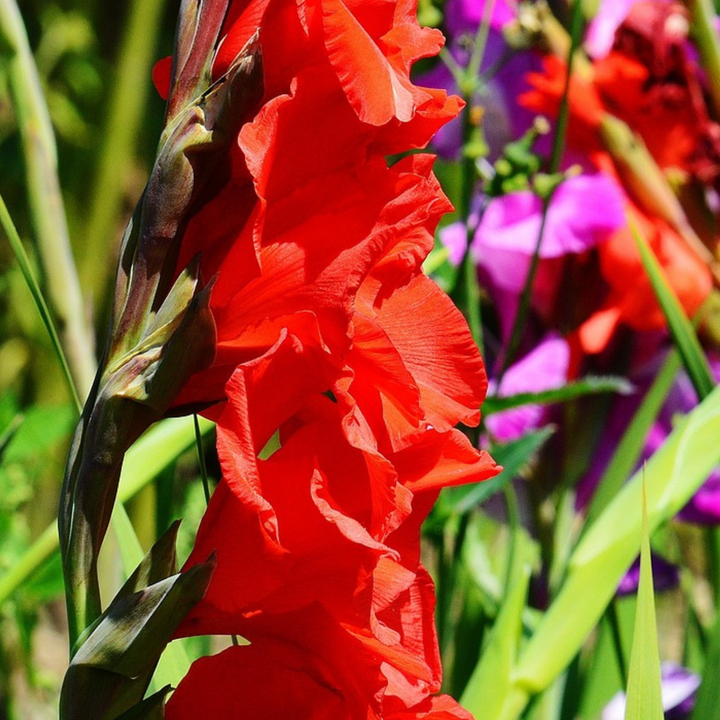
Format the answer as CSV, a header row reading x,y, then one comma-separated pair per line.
x,y
45,198
145,459
471,285
468,82
34,287
673,475
647,184
120,131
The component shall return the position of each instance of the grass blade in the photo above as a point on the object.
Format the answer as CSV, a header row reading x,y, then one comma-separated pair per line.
x,y
680,327
644,690
590,385
44,197
26,269
490,680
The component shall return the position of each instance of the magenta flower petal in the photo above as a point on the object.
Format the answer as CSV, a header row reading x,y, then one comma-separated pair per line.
x,y
704,506
584,211
454,238
544,368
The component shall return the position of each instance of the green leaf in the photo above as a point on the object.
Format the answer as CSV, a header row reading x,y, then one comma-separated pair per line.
x,y
644,690
37,296
512,457
590,385
680,327
673,475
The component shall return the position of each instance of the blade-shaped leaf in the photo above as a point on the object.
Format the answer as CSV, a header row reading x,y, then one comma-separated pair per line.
x,y
680,327
644,690
628,451
590,385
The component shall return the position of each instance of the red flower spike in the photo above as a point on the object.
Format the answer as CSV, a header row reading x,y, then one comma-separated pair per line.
x,y
332,343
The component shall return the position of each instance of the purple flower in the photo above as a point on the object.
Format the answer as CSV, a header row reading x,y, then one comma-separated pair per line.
x,y
584,212
544,368
665,576
679,686
503,119
503,71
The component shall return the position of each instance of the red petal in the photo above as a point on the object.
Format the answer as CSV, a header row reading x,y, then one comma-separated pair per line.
x,y
161,75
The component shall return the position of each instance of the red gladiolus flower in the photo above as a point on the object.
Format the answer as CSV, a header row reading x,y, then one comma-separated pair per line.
x,y
336,351
297,215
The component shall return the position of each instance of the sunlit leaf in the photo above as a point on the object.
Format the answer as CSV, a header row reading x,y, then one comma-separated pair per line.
x,y
644,690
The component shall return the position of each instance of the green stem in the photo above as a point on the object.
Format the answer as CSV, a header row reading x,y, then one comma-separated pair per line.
x,y
34,287
45,198
480,44
513,512
120,133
